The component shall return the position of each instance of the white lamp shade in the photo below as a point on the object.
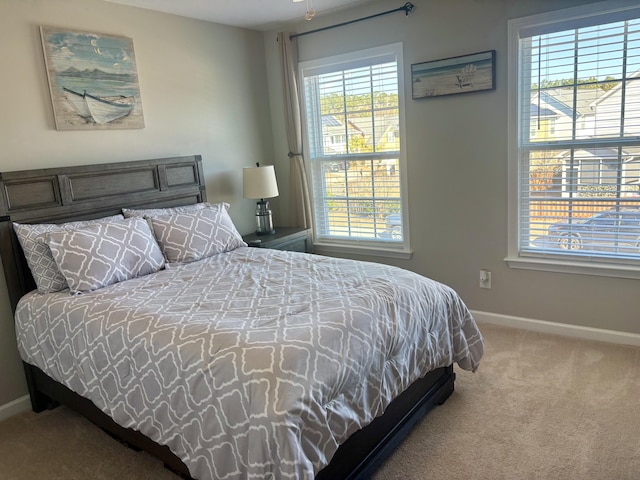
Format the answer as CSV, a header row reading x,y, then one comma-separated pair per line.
x,y
259,182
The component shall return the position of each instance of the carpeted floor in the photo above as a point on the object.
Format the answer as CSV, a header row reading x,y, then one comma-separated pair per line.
x,y
540,407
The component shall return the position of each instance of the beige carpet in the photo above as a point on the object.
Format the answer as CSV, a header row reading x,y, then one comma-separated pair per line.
x,y
540,407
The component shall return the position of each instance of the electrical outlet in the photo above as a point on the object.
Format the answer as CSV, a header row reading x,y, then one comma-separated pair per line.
x,y
485,279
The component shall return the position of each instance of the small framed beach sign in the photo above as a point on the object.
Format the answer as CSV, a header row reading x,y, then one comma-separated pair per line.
x,y
93,80
466,73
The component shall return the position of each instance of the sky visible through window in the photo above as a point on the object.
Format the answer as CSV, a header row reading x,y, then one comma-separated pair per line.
x,y
599,48
374,75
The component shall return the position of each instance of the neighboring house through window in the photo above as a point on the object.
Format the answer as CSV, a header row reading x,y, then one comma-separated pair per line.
x,y
352,106
574,140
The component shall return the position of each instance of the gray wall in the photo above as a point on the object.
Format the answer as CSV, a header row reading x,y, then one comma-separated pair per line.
x,y
203,92
457,162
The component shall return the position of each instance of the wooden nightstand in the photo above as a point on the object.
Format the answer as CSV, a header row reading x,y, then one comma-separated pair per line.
x,y
286,238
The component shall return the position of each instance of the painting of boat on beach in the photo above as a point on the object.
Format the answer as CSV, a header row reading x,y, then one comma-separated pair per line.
x,y
93,80
467,73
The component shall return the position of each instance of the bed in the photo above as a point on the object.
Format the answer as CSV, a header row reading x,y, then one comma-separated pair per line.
x,y
266,356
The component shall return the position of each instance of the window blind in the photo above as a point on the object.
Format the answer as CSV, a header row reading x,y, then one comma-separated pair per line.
x,y
579,139
353,132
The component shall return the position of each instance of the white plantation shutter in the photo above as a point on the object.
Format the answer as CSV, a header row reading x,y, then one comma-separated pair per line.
x,y
579,137
352,109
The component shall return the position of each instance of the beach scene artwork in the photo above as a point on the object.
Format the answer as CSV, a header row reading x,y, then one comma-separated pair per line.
x,y
93,80
467,73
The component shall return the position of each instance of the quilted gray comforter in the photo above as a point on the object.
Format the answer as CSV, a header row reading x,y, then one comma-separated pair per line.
x,y
254,363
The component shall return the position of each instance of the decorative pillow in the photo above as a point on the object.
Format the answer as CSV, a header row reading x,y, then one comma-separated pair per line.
x,y
158,212
106,253
41,263
187,237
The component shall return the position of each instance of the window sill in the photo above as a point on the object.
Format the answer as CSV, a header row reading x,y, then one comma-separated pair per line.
x,y
576,268
322,248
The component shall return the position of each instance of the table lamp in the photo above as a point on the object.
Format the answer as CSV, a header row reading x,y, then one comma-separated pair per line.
x,y
260,183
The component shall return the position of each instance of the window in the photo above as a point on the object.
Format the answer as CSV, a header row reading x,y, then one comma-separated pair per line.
x,y
552,127
575,144
353,110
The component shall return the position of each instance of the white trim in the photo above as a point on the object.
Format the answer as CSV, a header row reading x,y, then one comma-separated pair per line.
x,y
513,163
598,269
564,329
323,248
14,407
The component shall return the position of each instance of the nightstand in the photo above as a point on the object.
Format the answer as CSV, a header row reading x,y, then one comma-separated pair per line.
x,y
296,239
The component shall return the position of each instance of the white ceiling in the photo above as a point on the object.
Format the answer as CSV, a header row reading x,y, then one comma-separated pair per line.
x,y
253,14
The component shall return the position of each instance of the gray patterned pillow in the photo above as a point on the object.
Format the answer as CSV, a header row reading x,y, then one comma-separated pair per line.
x,y
158,212
187,237
106,253
41,263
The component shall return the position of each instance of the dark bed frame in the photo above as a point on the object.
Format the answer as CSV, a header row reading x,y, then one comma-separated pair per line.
x,y
57,195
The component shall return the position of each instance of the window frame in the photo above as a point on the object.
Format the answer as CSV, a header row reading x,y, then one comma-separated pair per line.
x,y
593,265
360,246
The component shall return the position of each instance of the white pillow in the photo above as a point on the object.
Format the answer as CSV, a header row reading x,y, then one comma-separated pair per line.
x,y
41,263
99,255
187,237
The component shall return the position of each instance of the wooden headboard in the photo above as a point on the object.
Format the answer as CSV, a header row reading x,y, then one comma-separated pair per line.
x,y
57,195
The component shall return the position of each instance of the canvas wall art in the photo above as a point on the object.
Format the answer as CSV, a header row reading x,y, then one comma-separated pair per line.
x,y
466,73
93,80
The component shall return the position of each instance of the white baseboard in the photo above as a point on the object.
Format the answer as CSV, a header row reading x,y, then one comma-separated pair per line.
x,y
576,331
14,407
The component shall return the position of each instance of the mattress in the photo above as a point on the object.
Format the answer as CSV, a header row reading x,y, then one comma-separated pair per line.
x,y
253,363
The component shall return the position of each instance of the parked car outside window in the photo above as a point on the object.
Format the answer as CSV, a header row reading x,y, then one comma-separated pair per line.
x,y
616,231
393,227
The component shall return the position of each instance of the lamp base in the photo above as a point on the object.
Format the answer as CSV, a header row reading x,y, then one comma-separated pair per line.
x,y
264,220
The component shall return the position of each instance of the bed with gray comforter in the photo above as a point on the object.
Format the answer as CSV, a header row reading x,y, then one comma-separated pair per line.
x,y
253,363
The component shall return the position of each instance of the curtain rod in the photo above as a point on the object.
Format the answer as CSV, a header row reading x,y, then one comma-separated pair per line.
x,y
406,8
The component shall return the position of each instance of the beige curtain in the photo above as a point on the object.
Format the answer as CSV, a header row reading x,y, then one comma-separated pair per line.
x,y
300,208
